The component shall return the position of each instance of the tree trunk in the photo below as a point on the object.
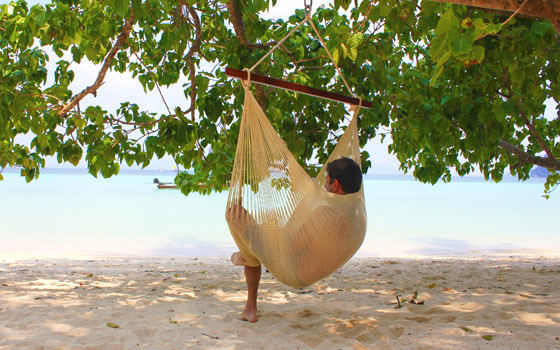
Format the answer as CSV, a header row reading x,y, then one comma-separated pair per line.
x,y
549,9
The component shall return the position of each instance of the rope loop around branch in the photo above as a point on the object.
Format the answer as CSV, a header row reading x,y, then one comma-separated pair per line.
x,y
247,83
356,108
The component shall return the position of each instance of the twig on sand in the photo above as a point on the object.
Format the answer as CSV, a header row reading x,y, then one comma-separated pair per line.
x,y
211,336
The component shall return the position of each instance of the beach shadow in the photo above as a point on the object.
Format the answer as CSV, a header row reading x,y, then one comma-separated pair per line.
x,y
440,246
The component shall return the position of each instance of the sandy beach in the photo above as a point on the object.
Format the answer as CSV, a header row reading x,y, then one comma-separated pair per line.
x,y
183,303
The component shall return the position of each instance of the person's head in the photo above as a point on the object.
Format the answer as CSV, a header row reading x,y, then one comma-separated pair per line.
x,y
344,176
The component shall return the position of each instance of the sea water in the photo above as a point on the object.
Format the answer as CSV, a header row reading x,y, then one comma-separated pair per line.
x,y
71,213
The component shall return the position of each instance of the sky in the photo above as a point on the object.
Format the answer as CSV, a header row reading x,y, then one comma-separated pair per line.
x,y
121,87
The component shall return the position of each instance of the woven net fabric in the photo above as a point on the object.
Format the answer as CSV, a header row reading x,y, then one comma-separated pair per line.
x,y
281,217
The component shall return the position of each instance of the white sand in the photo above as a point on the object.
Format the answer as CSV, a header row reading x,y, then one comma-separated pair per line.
x,y
165,303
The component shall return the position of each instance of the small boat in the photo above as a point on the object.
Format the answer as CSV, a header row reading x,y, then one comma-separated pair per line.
x,y
164,185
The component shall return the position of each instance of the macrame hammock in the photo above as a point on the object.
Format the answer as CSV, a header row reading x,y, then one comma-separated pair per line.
x,y
277,214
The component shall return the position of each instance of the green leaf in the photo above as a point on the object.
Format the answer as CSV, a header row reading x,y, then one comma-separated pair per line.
x,y
462,44
437,72
122,7
447,21
13,34
112,325
345,4
384,8
487,337
353,53
443,59
72,152
353,42
437,46
476,55
480,27
344,50
494,28
467,23
540,28
336,55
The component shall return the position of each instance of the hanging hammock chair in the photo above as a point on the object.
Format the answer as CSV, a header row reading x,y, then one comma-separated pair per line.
x,y
281,217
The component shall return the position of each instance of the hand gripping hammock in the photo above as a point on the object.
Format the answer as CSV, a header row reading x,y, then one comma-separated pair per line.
x,y
281,217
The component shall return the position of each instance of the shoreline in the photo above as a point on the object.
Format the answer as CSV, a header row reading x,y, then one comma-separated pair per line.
x,y
181,303
490,255
170,173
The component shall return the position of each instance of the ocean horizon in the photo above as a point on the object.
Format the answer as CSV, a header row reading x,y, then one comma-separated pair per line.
x,y
69,213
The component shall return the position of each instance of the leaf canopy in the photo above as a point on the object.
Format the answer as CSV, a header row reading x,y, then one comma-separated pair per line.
x,y
456,88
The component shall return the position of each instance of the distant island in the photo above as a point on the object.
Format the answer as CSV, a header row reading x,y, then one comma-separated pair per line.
x,y
539,172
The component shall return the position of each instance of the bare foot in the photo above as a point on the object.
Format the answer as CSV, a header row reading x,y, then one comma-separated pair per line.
x,y
249,316
237,259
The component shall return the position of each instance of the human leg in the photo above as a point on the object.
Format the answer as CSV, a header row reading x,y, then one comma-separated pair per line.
x,y
252,277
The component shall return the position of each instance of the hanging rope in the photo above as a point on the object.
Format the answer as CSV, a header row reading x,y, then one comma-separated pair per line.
x,y
307,17
308,8
332,59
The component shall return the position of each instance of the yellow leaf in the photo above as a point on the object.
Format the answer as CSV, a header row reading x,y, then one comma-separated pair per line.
x,y
112,325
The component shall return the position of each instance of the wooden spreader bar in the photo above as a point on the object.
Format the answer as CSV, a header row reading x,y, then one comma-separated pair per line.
x,y
286,85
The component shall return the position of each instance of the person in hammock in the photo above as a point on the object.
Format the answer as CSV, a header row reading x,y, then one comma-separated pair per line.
x,y
343,177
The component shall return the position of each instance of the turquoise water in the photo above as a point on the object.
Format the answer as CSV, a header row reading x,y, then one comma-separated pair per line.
x,y
74,214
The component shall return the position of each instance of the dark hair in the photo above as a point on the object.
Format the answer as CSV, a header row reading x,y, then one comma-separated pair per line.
x,y
348,174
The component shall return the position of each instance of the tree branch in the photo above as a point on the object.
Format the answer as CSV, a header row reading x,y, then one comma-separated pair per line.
x,y
192,69
509,18
139,124
123,37
260,96
527,158
535,8
155,80
556,24
195,47
530,126
320,57
239,28
239,25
